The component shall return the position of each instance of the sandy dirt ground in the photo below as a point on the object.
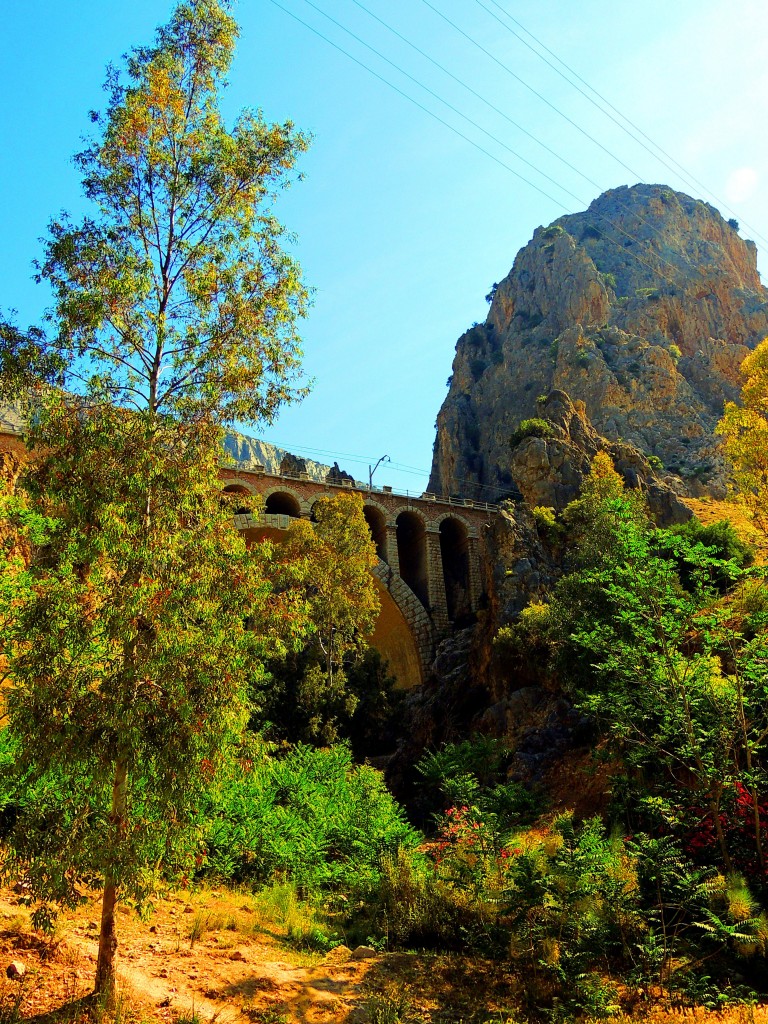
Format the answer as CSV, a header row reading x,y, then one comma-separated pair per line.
x,y
208,956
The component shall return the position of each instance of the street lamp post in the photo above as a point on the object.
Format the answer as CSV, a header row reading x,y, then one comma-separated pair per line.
x,y
384,458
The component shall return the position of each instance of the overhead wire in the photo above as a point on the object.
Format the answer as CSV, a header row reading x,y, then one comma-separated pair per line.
x,y
678,168
476,94
486,152
460,81
530,88
369,459
421,106
616,227
440,99
554,107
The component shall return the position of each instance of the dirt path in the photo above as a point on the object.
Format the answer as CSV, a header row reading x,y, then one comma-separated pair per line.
x,y
210,956
203,955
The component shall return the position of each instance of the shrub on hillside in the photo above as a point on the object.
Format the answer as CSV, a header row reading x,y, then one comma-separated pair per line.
x,y
534,427
308,815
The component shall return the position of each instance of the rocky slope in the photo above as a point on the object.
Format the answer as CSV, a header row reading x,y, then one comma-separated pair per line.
x,y
642,308
246,452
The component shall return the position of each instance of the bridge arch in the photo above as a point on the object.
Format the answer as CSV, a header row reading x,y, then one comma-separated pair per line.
x,y
376,516
243,498
404,632
454,556
452,514
411,536
282,501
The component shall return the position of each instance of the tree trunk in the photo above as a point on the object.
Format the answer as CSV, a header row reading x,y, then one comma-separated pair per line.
x,y
105,965
714,810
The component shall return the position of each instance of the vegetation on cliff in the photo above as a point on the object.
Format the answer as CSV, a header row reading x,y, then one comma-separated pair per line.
x,y
642,307
180,707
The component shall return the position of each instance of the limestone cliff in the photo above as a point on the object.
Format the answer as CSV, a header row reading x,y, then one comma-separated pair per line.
x,y
246,452
642,308
249,451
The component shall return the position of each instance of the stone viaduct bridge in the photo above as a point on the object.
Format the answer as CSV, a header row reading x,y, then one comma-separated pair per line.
x,y
429,572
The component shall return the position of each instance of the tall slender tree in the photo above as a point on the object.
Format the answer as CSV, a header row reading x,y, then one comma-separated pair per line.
x,y
175,314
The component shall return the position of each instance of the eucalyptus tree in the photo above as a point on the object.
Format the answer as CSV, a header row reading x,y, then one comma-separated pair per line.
x,y
175,314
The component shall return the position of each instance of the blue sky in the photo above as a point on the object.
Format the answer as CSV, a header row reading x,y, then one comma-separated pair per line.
x,y
402,225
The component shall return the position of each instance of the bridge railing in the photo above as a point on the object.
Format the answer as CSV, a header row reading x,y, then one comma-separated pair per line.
x,y
355,485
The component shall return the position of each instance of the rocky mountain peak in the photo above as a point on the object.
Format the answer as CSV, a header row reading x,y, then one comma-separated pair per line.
x,y
642,307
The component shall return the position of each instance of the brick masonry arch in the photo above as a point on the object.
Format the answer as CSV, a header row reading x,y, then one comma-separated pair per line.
x,y
471,530
305,505
372,503
412,647
238,487
392,516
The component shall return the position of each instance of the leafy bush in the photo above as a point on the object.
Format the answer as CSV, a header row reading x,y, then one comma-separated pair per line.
x,y
547,525
415,907
534,427
572,902
675,352
477,367
692,544
307,815
482,757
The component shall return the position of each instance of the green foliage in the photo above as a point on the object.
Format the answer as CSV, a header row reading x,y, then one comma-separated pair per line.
x,y
546,522
654,462
717,543
744,429
535,427
175,312
482,757
572,903
127,652
733,223
328,567
609,280
26,362
176,294
309,816
477,367
301,922
416,908
675,352
641,641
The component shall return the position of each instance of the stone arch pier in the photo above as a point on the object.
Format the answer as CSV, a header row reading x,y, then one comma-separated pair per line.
x,y
429,570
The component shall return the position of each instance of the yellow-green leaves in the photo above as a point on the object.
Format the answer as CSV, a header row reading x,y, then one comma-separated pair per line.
x,y
176,294
744,429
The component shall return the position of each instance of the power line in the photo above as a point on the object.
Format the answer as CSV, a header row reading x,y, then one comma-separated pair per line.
x,y
476,94
654,270
440,99
530,88
687,175
484,100
421,106
366,459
